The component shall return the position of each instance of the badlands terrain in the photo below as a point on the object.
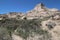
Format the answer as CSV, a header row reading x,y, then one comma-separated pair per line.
x,y
40,23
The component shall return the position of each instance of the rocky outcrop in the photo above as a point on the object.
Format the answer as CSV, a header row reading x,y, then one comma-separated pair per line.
x,y
41,10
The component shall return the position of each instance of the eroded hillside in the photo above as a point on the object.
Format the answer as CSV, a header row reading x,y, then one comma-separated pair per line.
x,y
41,23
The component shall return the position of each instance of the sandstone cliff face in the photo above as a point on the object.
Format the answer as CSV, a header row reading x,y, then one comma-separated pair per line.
x,y
42,11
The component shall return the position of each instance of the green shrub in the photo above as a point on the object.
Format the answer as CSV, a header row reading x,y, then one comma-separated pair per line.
x,y
4,35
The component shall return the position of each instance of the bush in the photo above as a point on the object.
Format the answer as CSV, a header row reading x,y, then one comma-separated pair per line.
x,y
51,25
4,35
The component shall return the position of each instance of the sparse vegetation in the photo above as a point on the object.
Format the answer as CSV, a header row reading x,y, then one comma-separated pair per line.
x,y
23,27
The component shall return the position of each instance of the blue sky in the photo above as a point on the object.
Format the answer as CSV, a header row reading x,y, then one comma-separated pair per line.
x,y
25,5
